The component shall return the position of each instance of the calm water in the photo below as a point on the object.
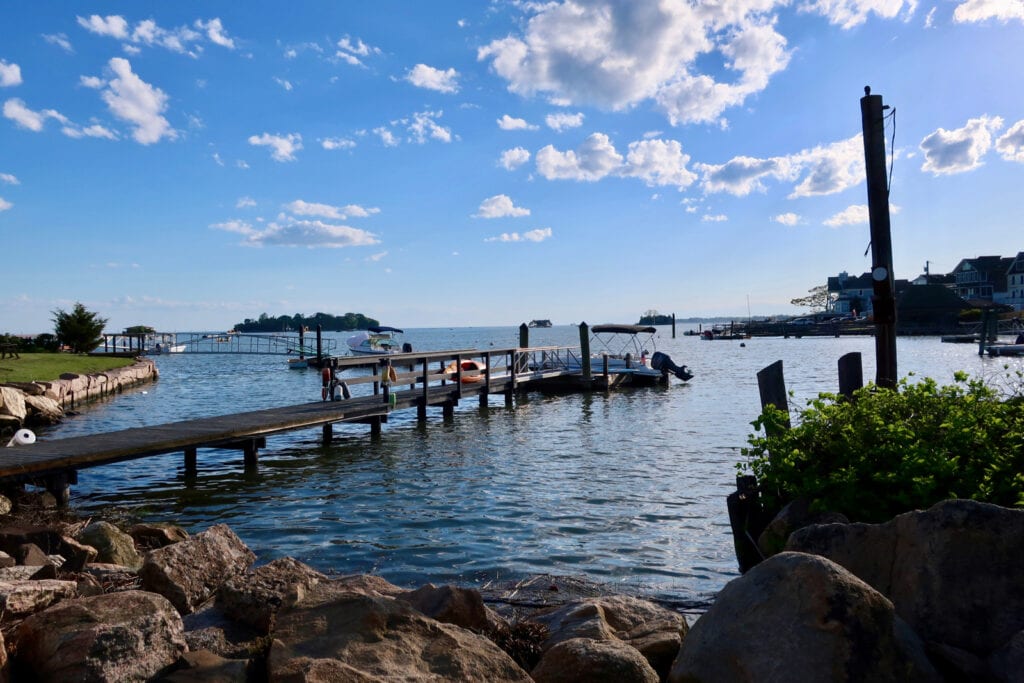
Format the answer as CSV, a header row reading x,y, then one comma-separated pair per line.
x,y
626,489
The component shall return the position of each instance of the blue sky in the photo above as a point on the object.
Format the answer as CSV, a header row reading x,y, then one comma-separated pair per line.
x,y
187,165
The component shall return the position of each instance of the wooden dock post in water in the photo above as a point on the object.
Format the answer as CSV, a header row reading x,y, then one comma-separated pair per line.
x,y
585,352
851,374
883,301
772,385
673,325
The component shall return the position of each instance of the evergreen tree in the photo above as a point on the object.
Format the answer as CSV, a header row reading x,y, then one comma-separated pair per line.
x,y
81,330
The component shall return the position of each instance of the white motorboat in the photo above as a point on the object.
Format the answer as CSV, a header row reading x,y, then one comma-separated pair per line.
x,y
375,341
629,352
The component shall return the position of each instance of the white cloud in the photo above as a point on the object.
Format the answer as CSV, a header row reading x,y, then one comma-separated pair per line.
x,y
513,158
237,226
4,204
183,39
215,32
217,160
659,162
714,218
562,121
820,171
506,122
113,26
282,147
60,40
244,202
337,143
536,235
94,131
499,206
376,257
10,74
786,218
616,54
131,99
351,51
850,13
424,126
956,151
287,85
981,10
423,76
595,159
340,213
9,179
15,110
386,136
856,214
311,234
93,82
241,164
1011,144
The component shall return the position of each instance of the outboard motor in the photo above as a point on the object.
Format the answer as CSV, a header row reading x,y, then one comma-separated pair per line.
x,y
661,361
406,347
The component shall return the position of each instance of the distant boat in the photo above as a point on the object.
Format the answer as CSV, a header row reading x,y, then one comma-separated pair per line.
x,y
375,341
540,323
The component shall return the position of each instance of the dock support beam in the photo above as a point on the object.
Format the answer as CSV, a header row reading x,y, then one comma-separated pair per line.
x,y
328,433
448,411
585,351
375,423
190,462
59,486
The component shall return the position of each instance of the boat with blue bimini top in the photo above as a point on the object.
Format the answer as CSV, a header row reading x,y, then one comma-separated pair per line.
x,y
631,356
376,341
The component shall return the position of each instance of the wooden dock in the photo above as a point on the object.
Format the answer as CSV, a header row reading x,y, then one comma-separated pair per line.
x,y
399,382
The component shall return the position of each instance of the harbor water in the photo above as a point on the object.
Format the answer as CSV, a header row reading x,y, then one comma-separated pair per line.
x,y
625,489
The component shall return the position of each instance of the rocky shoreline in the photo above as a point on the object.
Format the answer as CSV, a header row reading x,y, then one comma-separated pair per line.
x,y
932,595
39,404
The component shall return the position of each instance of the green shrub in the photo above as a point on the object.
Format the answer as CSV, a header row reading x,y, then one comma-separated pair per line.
x,y
889,451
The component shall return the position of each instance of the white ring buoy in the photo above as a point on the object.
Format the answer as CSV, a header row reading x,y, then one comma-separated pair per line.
x,y
22,437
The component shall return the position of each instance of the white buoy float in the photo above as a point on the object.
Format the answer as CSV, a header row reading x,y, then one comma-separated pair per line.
x,y
22,437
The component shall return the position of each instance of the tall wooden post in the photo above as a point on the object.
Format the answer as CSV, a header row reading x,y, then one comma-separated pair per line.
x,y
319,344
884,299
585,351
524,336
673,325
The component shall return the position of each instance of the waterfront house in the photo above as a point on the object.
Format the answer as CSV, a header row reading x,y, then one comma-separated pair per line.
x,y
1015,283
854,293
983,278
928,309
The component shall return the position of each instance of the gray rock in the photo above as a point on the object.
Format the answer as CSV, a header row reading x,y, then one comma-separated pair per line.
x,y
112,545
581,660
189,572
798,617
952,571
453,605
254,597
204,666
128,636
23,596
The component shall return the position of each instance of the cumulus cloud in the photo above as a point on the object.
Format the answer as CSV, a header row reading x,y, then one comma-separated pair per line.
x,y
956,151
92,82
245,202
424,126
286,84
60,40
189,40
1010,145
4,204
982,10
282,147
850,13
506,122
822,170
423,76
499,206
16,110
94,131
353,52
300,207
337,143
562,121
856,214
386,136
292,232
656,162
131,99
236,226
617,54
10,74
9,179
714,218
512,159
786,218
537,235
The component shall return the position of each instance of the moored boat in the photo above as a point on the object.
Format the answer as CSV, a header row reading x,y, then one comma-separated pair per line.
x,y
631,356
375,341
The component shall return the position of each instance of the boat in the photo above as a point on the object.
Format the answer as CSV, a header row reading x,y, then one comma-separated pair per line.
x,y
540,323
160,343
298,363
376,341
472,371
631,356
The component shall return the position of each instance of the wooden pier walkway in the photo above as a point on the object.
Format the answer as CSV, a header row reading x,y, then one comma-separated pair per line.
x,y
431,379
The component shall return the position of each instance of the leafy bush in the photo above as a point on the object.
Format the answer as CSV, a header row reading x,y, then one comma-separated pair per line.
x,y
889,451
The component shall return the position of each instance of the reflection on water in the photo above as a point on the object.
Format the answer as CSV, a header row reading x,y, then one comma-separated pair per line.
x,y
627,488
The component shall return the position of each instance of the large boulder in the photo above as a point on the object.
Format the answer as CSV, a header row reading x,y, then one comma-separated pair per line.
x,y
189,572
453,605
42,411
582,660
12,404
152,536
22,596
652,630
798,617
254,597
952,571
112,545
332,634
128,636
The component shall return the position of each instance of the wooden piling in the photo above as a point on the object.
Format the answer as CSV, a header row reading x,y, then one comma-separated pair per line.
x,y
585,352
851,374
771,384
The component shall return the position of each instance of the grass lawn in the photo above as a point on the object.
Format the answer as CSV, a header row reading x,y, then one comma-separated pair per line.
x,y
46,367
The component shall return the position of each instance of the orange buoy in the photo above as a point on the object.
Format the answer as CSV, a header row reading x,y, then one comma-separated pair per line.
x,y
325,377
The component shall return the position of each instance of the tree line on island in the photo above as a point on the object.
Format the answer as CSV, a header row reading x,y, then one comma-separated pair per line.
x,y
294,323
